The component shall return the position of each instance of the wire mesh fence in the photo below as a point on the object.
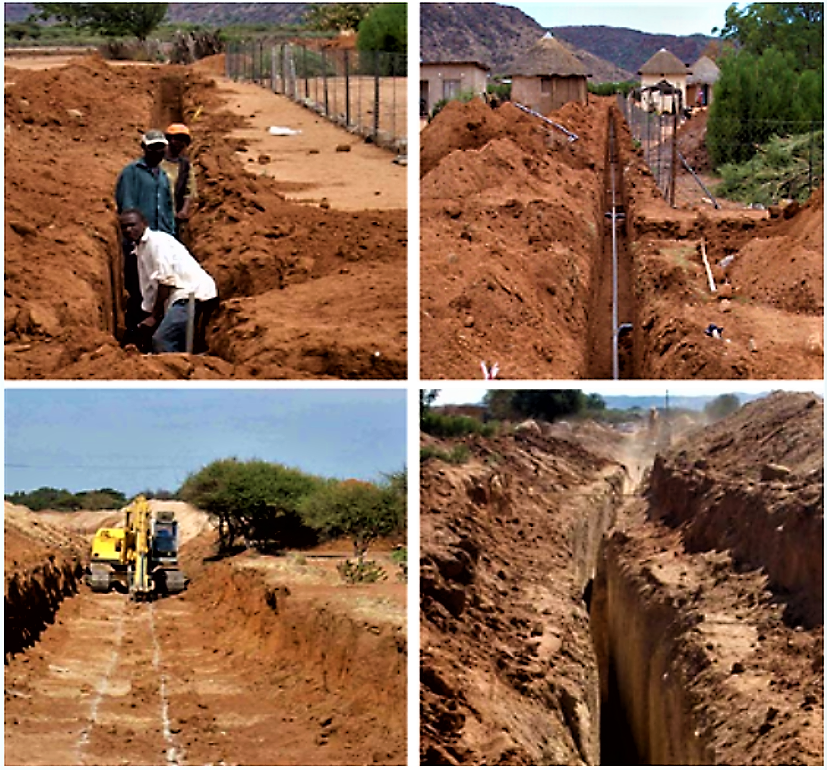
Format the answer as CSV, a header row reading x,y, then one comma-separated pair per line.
x,y
365,92
789,169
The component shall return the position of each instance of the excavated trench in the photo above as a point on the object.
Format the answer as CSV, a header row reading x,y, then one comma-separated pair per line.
x,y
645,716
612,307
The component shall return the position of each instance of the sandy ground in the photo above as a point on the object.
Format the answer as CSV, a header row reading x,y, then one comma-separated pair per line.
x,y
320,164
262,661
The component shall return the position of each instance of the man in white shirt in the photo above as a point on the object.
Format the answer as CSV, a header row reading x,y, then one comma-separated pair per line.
x,y
168,274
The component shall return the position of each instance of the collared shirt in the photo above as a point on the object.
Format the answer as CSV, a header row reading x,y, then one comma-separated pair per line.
x,y
164,260
172,167
148,190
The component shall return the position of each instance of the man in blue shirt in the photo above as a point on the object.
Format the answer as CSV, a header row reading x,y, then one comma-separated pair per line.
x,y
143,185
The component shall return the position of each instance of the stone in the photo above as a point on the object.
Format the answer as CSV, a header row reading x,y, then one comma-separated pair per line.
x,y
774,472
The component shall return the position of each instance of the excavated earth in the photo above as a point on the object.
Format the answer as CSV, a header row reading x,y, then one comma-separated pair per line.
x,y
262,661
308,291
565,622
514,259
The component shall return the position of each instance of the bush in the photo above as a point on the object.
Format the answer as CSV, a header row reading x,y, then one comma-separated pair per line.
x,y
51,499
781,168
361,571
253,499
454,426
357,510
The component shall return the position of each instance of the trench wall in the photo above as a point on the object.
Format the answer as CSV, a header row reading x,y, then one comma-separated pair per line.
x,y
32,599
640,653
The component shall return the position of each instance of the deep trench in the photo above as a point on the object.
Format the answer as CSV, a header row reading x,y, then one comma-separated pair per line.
x,y
167,108
601,313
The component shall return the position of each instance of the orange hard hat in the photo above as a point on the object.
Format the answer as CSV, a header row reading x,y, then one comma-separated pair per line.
x,y
178,129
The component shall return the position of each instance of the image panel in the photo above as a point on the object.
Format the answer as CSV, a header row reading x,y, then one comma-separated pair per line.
x,y
226,184
622,577
617,191
206,577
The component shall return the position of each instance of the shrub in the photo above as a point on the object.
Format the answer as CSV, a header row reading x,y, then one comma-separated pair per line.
x,y
458,455
455,426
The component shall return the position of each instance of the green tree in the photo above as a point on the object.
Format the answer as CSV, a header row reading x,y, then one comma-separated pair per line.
x,y
426,401
795,28
722,406
758,97
385,28
252,499
108,19
336,16
357,510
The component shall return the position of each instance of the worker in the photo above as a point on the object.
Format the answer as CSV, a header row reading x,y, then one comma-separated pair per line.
x,y
168,275
181,175
143,185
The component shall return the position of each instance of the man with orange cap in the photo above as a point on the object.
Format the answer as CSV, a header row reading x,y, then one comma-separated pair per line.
x,y
181,174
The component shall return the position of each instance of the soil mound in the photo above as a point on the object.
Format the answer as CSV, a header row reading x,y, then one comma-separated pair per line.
x,y
753,484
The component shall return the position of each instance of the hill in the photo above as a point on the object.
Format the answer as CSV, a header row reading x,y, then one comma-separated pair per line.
x,y
494,35
209,14
630,49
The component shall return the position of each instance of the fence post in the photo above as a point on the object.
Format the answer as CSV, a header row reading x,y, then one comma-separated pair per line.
x,y
375,96
810,160
306,76
347,88
324,83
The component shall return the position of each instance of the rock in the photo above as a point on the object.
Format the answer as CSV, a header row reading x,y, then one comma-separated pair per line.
x,y
44,320
469,322
753,347
342,148
313,152
791,210
815,344
726,306
22,228
774,472
263,160
74,113
725,291
775,212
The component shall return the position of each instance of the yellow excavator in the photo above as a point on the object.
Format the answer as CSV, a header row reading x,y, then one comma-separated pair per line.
x,y
141,556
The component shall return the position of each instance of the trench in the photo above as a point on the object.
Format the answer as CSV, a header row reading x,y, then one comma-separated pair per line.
x,y
167,108
645,716
612,305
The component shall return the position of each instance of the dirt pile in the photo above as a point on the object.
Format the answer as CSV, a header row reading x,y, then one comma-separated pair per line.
x,y
509,231
708,612
509,542
307,292
769,276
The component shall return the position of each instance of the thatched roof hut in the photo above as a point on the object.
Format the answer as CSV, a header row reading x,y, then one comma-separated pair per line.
x,y
547,76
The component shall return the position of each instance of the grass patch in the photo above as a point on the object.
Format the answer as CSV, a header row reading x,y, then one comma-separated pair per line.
x,y
459,455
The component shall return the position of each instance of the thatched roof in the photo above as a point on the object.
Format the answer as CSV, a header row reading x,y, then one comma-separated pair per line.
x,y
663,63
547,57
704,71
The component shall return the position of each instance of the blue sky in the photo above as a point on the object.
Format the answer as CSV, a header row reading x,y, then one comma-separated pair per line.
x,y
134,439
660,17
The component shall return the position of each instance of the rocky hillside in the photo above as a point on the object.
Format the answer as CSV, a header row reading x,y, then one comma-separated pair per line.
x,y
495,34
628,48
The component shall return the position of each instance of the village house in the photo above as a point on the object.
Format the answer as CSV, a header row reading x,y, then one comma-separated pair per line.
x,y
447,80
703,75
547,76
663,82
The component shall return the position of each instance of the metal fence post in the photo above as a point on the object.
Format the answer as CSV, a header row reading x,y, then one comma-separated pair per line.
x,y
347,88
375,96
